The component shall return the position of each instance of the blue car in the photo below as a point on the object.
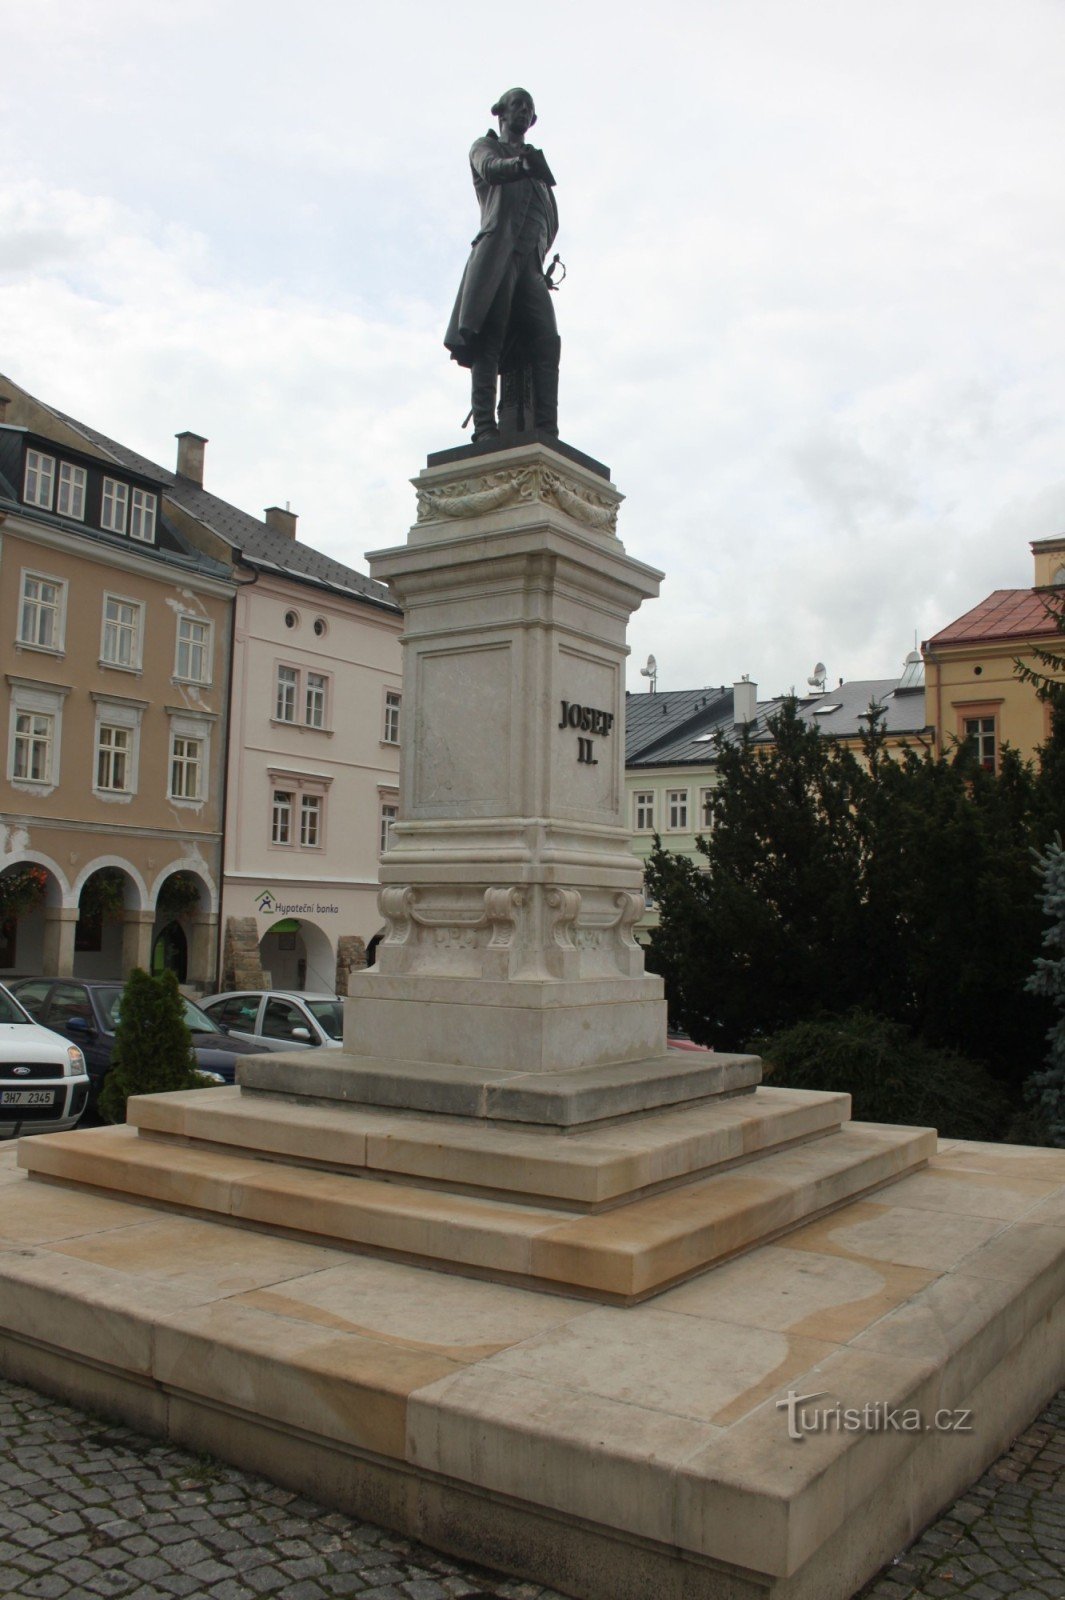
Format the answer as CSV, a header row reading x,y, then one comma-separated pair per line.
x,y
85,1011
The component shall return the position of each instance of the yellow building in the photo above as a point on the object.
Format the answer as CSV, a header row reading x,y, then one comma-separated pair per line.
x,y
971,686
115,641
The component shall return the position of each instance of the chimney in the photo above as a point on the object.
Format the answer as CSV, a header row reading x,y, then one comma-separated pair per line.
x,y
744,702
190,449
281,521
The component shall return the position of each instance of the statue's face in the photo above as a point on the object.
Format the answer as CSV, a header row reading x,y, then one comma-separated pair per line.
x,y
518,111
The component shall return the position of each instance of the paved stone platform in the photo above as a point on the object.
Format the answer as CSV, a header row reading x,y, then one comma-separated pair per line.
x,y
92,1509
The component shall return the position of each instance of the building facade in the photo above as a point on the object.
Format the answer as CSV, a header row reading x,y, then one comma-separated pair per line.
x,y
201,674
972,688
313,777
115,637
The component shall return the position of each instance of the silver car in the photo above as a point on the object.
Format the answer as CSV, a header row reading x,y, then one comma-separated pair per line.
x,y
44,1087
280,1019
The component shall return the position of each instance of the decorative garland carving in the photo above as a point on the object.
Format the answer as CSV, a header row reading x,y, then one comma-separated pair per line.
x,y
584,505
491,491
473,496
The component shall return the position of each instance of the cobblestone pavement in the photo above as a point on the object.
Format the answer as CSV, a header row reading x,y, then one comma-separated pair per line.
x,y
1004,1539
89,1509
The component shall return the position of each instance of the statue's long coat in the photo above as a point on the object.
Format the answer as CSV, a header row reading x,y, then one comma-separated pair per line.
x,y
504,198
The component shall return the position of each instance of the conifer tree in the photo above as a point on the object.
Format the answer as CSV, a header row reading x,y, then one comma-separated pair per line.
x,y
153,1048
1046,1090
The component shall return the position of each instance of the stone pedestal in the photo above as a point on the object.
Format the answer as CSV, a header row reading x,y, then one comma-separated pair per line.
x,y
510,893
507,1273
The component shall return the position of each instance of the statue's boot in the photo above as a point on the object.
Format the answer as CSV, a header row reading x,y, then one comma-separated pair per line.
x,y
484,378
545,390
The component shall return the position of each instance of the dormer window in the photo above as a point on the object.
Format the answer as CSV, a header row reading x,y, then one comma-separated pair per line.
x,y
114,506
142,516
71,499
40,480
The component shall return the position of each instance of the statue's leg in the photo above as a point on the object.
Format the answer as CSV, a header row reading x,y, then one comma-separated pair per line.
x,y
545,387
534,311
484,370
484,376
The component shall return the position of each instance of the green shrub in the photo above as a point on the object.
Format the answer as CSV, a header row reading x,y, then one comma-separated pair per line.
x,y
890,1075
153,1049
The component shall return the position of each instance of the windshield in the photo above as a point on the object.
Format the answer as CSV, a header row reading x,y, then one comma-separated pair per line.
x,y
198,1020
110,1001
10,1010
329,1014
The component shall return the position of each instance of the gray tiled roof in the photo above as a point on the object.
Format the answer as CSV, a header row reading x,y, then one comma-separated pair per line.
x,y
677,729
656,721
249,535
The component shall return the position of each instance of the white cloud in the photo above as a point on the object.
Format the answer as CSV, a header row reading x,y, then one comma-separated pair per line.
x,y
812,322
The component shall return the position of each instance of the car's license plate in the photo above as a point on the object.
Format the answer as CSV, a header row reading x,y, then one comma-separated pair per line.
x,y
27,1097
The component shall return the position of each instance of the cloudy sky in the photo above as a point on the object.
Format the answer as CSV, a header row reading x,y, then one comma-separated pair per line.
x,y
814,319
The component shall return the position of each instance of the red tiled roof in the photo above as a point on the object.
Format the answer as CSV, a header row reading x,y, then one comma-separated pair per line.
x,y
1006,614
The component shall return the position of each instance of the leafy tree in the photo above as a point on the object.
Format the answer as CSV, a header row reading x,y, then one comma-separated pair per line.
x,y
153,1048
896,883
1046,1090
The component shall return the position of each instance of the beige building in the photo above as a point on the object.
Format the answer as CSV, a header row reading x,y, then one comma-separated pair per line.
x,y
314,724
972,688
114,636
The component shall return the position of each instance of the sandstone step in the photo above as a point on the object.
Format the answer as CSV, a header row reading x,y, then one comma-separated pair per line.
x,y
621,1255
587,1169
619,1453
547,1099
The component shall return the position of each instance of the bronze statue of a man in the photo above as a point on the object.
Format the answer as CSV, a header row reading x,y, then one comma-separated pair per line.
x,y
504,317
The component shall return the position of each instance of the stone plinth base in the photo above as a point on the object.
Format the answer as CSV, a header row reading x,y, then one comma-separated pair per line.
x,y
614,1454
500,1094
480,1023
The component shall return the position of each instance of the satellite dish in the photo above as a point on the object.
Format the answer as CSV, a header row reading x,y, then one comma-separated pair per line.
x,y
816,680
650,671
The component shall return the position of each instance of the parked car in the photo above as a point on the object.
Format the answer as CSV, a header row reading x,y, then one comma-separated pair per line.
x,y
44,1085
86,1011
280,1019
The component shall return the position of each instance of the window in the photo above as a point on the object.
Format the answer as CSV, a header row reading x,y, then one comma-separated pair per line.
x,y
41,613
706,818
281,817
393,701
298,694
287,687
34,739
40,479
315,700
142,516
33,744
114,506
71,501
677,809
980,732
643,811
320,626
292,619
186,768
113,752
311,820
389,814
117,744
121,643
193,650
